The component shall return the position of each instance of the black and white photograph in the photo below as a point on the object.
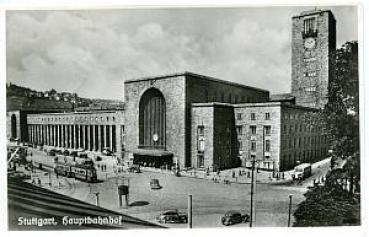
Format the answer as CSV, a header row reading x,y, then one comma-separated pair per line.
x,y
174,117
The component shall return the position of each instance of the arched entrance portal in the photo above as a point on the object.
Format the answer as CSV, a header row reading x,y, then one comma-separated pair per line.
x,y
13,124
152,120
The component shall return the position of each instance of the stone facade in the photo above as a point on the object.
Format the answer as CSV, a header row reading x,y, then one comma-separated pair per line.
x,y
203,122
180,91
276,135
89,131
313,57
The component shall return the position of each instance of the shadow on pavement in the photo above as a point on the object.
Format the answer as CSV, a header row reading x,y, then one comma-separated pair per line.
x,y
139,203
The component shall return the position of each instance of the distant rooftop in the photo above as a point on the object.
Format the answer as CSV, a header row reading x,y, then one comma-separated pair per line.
x,y
283,97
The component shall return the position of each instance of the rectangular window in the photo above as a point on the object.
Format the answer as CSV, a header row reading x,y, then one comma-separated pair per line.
x,y
253,130
309,26
200,160
239,116
200,137
267,145
310,89
268,130
253,146
253,117
201,145
239,129
267,116
200,130
240,145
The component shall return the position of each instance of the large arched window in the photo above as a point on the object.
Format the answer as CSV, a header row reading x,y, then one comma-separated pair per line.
x,y
152,120
13,126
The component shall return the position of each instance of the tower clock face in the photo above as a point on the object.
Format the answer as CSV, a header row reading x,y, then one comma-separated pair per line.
x,y
309,43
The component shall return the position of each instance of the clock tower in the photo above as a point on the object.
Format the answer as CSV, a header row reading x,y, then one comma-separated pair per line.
x,y
313,56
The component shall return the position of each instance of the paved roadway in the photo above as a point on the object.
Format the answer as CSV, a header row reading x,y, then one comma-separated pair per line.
x,y
28,201
210,200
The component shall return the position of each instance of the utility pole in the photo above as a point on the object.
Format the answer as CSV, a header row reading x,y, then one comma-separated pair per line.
x,y
289,210
190,211
252,191
97,198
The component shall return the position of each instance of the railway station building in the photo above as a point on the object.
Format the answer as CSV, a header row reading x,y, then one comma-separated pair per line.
x,y
202,122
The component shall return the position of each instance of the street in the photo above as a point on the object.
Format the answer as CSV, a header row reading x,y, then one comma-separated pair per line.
x,y
210,200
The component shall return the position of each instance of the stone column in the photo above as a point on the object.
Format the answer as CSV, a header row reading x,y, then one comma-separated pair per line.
x,y
94,137
57,135
88,147
111,136
70,136
67,136
29,133
47,134
83,137
99,137
78,136
105,135
39,134
35,133
118,140
74,137
62,135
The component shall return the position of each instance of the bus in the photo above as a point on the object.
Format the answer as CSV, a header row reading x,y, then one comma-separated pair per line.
x,y
302,171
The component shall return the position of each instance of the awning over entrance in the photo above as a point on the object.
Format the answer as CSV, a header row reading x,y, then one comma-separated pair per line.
x,y
155,153
153,158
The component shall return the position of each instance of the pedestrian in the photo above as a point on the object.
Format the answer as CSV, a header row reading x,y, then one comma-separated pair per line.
x,y
39,181
239,173
233,174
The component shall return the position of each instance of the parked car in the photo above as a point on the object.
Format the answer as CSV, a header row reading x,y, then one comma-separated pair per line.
x,y
134,169
172,216
154,184
106,152
234,217
51,153
65,152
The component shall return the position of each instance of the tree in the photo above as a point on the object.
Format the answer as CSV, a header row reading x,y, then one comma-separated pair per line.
x,y
342,109
331,204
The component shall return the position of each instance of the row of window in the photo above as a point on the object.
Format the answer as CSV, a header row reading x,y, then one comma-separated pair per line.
x,y
253,146
292,159
289,129
253,116
231,98
252,129
305,141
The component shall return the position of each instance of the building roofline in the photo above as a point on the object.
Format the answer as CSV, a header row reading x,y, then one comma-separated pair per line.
x,y
73,113
159,77
314,12
262,104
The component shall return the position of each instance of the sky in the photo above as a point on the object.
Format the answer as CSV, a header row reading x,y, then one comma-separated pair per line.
x,y
92,52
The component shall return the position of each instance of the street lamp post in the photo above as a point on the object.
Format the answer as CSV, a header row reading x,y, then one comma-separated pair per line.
x,y
289,210
252,191
190,211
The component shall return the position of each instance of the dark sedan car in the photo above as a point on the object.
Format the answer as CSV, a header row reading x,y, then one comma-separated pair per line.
x,y
234,217
172,216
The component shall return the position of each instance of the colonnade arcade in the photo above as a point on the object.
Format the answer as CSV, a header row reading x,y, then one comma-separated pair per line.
x,y
92,132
